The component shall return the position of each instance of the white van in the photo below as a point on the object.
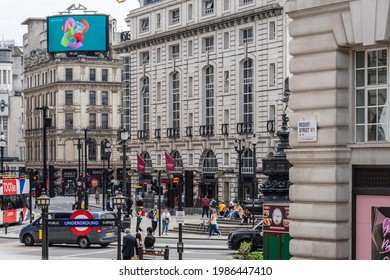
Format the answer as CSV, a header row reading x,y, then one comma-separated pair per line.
x,y
103,236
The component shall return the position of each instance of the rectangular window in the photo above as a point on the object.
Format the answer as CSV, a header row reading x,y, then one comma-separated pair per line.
x,y
190,17
144,25
208,44
144,58
92,98
225,81
208,7
159,162
174,16
158,21
92,74
190,48
104,98
272,30
245,2
226,39
158,55
158,91
104,121
68,120
68,97
226,5
104,75
371,95
226,159
92,121
246,35
174,51
68,74
190,86
190,159
272,74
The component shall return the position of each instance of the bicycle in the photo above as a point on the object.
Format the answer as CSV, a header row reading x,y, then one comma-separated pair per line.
x,y
203,227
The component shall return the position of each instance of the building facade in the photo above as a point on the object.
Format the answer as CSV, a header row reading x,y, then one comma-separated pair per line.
x,y
340,66
198,76
11,104
83,94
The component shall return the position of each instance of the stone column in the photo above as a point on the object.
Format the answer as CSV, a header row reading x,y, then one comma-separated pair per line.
x,y
320,208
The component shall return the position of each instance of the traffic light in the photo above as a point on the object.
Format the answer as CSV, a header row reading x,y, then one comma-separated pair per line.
x,y
110,183
39,189
154,186
54,182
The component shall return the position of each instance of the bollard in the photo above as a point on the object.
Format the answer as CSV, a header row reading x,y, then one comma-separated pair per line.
x,y
166,253
6,228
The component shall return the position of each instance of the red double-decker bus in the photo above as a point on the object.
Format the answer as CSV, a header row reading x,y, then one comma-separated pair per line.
x,y
14,192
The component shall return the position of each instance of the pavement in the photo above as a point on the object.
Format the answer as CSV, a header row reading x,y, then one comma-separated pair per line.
x,y
13,230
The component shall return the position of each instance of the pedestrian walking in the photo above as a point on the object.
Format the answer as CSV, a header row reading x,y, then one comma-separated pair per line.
x,y
165,217
213,223
205,206
138,214
130,246
156,215
149,239
97,197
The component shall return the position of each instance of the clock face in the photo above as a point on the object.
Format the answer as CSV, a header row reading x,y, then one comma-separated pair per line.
x,y
277,216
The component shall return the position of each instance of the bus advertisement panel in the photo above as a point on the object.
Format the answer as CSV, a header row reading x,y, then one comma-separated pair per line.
x,y
14,200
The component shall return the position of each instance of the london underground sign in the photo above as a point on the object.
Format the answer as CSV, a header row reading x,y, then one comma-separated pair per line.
x,y
81,222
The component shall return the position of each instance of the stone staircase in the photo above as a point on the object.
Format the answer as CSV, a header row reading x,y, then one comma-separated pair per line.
x,y
224,226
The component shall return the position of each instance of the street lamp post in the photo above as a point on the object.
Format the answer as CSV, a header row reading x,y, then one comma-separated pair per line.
x,y
254,143
46,124
119,201
239,146
124,137
85,169
3,144
43,203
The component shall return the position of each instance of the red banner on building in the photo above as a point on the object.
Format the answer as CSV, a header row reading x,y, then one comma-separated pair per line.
x,y
140,164
169,163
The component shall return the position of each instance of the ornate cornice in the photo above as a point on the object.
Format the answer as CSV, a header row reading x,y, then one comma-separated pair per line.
x,y
200,28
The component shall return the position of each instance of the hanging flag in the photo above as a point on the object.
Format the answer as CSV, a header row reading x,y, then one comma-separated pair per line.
x,y
169,163
140,164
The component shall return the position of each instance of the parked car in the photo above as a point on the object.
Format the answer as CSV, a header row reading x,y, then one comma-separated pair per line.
x,y
254,235
103,236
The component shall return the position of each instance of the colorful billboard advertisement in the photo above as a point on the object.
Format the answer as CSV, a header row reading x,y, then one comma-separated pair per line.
x,y
380,234
77,33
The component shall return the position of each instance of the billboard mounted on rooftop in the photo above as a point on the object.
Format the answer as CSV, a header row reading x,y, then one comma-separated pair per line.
x,y
77,33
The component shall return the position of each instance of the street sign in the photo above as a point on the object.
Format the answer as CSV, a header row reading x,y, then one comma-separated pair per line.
x,y
82,227
79,183
180,217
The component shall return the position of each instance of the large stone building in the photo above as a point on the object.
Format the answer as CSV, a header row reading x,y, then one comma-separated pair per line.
x,y
340,67
83,92
11,104
197,74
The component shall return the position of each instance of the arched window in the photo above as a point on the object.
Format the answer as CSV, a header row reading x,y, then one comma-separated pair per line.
x,y
178,160
148,161
175,100
145,103
209,95
248,90
210,163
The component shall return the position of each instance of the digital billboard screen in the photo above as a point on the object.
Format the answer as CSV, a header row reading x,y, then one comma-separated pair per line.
x,y
77,33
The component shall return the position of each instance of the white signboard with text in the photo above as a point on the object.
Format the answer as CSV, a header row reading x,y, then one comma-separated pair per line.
x,y
307,131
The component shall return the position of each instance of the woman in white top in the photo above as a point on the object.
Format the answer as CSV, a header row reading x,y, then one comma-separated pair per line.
x,y
213,223
165,217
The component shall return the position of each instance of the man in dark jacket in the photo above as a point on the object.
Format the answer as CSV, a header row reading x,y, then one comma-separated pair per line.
x,y
130,246
149,239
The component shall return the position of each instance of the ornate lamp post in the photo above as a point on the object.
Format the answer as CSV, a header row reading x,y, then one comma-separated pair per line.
x,y
124,136
119,201
3,145
43,203
239,146
254,183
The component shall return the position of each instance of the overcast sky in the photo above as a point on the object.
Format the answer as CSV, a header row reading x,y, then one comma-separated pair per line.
x,y
14,12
